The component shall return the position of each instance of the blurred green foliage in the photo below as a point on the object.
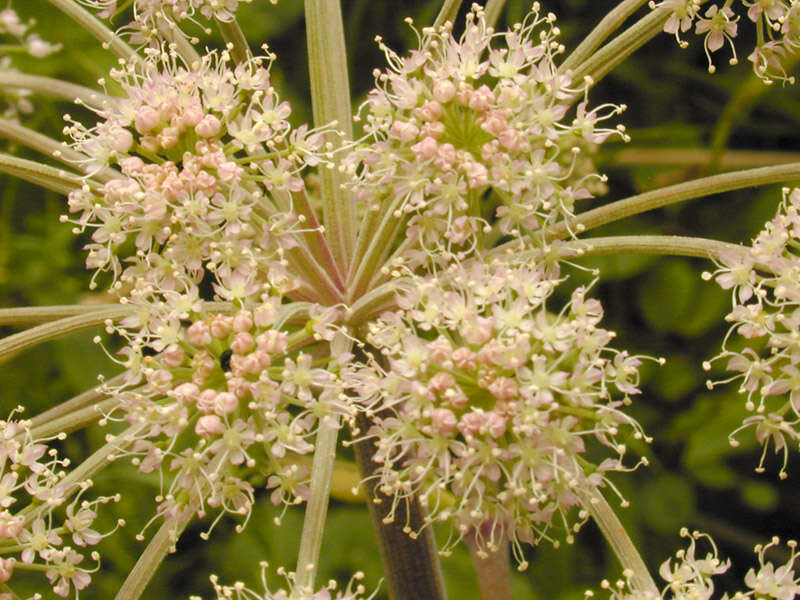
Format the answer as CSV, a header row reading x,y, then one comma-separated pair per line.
x,y
659,306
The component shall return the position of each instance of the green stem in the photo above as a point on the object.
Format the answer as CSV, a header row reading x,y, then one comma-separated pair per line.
x,y
317,507
373,303
161,544
234,36
172,33
31,315
649,244
46,176
330,101
599,63
24,340
675,193
73,405
411,564
90,23
608,25
49,147
696,157
448,13
493,10
74,420
596,505
53,87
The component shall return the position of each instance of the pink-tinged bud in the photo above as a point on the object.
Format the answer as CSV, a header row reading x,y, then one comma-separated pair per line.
x,y
206,181
425,149
264,361
432,129
266,314
477,175
479,331
159,378
404,131
441,382
193,115
130,165
168,137
209,425
173,356
272,341
186,392
226,403
120,140
495,424
481,99
243,321
149,143
221,326
494,123
464,358
430,111
146,119
242,343
239,387
444,90
444,421
154,209
513,140
209,126
447,153
456,398
229,171
206,401
7,569
471,423
440,349
463,94
251,364
504,388
199,334
10,525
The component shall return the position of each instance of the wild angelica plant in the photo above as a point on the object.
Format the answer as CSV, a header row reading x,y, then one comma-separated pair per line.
x,y
290,298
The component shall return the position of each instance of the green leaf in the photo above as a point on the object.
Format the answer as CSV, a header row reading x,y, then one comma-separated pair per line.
x,y
759,495
668,503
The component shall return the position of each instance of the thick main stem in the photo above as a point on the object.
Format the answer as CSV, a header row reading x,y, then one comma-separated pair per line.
x,y
411,563
492,569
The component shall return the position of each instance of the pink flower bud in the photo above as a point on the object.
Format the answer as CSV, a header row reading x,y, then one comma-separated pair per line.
x,y
441,382
471,423
225,403
495,424
6,569
208,425
221,326
120,140
199,334
206,401
444,421
243,321
209,126
242,343
193,115
433,129
229,172
186,392
503,388
266,313
430,111
444,90
404,131
440,349
168,137
482,98
272,341
464,358
425,149
173,356
146,119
